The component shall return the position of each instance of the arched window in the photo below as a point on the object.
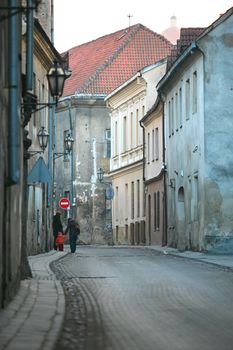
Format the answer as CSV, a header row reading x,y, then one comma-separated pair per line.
x,y
181,194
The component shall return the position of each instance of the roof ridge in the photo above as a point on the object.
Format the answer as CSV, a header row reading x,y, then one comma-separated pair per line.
x,y
111,58
101,37
161,36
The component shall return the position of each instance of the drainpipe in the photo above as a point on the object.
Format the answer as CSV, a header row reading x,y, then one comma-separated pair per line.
x,y
164,239
13,139
143,149
52,22
50,153
29,53
72,161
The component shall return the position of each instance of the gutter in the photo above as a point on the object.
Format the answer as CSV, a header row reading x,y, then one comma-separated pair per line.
x,y
14,129
29,52
143,150
164,238
176,64
135,76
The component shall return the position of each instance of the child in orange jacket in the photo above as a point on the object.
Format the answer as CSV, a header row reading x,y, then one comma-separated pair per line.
x,y
60,241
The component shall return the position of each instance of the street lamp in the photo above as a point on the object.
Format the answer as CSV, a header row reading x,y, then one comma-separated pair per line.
x,y
68,141
56,79
100,174
43,137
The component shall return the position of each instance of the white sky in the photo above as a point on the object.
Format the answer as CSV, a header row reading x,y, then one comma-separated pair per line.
x,y
80,21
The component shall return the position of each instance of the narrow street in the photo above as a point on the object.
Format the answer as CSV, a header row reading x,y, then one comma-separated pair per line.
x,y
134,298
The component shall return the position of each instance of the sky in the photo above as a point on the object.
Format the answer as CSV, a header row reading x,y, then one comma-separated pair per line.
x,y
77,22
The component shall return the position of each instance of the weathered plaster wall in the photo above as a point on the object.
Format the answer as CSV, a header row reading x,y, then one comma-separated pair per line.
x,y
218,90
90,119
184,158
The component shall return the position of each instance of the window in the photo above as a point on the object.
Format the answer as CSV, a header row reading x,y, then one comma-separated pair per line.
x,y
187,99
126,201
66,152
194,104
158,210
144,201
172,115
43,115
169,119
155,212
108,142
138,198
176,112
180,108
116,202
131,130
195,198
124,133
132,200
137,127
148,147
153,145
157,143
116,138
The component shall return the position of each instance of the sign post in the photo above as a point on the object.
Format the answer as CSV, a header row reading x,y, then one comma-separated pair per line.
x,y
64,203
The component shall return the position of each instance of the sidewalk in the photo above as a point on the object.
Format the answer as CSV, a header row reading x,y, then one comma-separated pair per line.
x,y
223,260
32,321
34,318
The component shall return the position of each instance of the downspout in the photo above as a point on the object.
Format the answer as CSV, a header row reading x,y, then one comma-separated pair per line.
x,y
14,129
164,239
143,150
29,53
72,161
52,22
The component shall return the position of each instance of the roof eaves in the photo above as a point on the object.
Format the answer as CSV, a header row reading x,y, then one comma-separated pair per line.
x,y
218,21
135,76
121,87
175,65
83,96
110,59
152,109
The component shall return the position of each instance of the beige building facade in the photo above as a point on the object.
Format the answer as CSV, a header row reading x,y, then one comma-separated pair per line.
x,y
129,103
153,174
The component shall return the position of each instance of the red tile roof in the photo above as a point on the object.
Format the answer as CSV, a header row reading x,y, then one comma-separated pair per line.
x,y
187,36
101,65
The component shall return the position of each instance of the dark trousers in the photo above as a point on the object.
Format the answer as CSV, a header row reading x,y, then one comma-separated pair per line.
x,y
54,242
60,247
73,240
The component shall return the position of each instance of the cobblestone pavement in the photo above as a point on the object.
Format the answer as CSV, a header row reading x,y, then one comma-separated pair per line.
x,y
124,298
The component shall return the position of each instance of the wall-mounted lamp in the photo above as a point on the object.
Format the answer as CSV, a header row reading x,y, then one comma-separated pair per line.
x,y
100,174
69,141
56,80
43,137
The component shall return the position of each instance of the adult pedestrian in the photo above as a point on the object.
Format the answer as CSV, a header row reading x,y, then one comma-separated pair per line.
x,y
74,230
57,227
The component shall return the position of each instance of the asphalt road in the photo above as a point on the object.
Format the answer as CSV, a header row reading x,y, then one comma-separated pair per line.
x,y
135,298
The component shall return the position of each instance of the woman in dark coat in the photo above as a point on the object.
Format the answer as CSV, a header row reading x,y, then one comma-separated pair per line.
x,y
57,227
74,230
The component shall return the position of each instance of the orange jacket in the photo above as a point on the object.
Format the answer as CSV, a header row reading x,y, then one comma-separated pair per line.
x,y
60,238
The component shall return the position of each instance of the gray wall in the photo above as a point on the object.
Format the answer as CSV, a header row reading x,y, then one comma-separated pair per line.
x,y
218,129
90,119
11,195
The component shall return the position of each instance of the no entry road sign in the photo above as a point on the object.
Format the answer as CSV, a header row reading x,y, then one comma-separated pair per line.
x,y
64,203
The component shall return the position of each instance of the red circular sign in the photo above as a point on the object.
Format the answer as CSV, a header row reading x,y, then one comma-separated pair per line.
x,y
64,203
